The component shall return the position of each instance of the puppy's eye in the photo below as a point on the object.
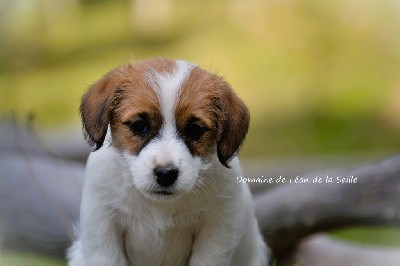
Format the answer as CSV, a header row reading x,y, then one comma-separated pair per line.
x,y
140,126
194,131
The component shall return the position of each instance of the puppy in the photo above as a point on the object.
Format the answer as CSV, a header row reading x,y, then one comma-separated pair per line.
x,y
160,187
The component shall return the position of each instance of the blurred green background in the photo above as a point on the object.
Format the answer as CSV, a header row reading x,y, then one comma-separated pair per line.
x,y
319,76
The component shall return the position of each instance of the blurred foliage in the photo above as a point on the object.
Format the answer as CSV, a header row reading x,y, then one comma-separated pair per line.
x,y
376,236
319,76
25,259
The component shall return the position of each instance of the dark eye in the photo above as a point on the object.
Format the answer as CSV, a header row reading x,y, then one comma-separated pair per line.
x,y
194,131
140,126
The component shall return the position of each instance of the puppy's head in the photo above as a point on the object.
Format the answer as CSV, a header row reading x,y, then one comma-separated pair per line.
x,y
168,119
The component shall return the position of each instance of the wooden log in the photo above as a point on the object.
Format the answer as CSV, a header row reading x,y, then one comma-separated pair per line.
x,y
323,250
292,212
39,202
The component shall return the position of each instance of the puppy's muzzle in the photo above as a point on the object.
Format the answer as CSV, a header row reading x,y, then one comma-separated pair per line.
x,y
166,175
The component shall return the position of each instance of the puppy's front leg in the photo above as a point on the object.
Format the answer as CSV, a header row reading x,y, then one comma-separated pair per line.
x,y
214,245
102,239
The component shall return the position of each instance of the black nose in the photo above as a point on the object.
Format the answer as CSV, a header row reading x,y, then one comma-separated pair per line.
x,y
166,176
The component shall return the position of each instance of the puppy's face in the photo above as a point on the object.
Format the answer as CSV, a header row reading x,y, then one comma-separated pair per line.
x,y
168,119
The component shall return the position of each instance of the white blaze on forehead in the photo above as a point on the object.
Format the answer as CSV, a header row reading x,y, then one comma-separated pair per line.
x,y
167,148
167,86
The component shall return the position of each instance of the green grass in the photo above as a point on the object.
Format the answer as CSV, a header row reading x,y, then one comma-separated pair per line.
x,y
377,236
24,259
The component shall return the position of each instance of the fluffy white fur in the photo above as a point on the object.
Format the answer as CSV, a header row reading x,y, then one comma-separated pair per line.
x,y
209,220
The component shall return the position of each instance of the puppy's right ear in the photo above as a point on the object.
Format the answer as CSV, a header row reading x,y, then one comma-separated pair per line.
x,y
95,110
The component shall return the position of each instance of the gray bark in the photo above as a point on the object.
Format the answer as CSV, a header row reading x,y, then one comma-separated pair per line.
x,y
292,212
323,250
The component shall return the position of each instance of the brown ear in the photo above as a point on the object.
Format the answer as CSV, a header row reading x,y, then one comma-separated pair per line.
x,y
234,126
95,110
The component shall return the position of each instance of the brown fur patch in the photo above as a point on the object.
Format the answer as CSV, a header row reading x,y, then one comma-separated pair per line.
x,y
209,99
118,98
95,107
160,65
234,126
132,102
197,100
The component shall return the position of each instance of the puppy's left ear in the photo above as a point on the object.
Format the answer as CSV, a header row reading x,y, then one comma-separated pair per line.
x,y
235,125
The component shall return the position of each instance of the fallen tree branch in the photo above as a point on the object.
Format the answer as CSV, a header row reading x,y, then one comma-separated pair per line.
x,y
39,202
292,212
323,250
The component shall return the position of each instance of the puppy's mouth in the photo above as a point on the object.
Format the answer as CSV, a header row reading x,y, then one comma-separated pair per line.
x,y
162,192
